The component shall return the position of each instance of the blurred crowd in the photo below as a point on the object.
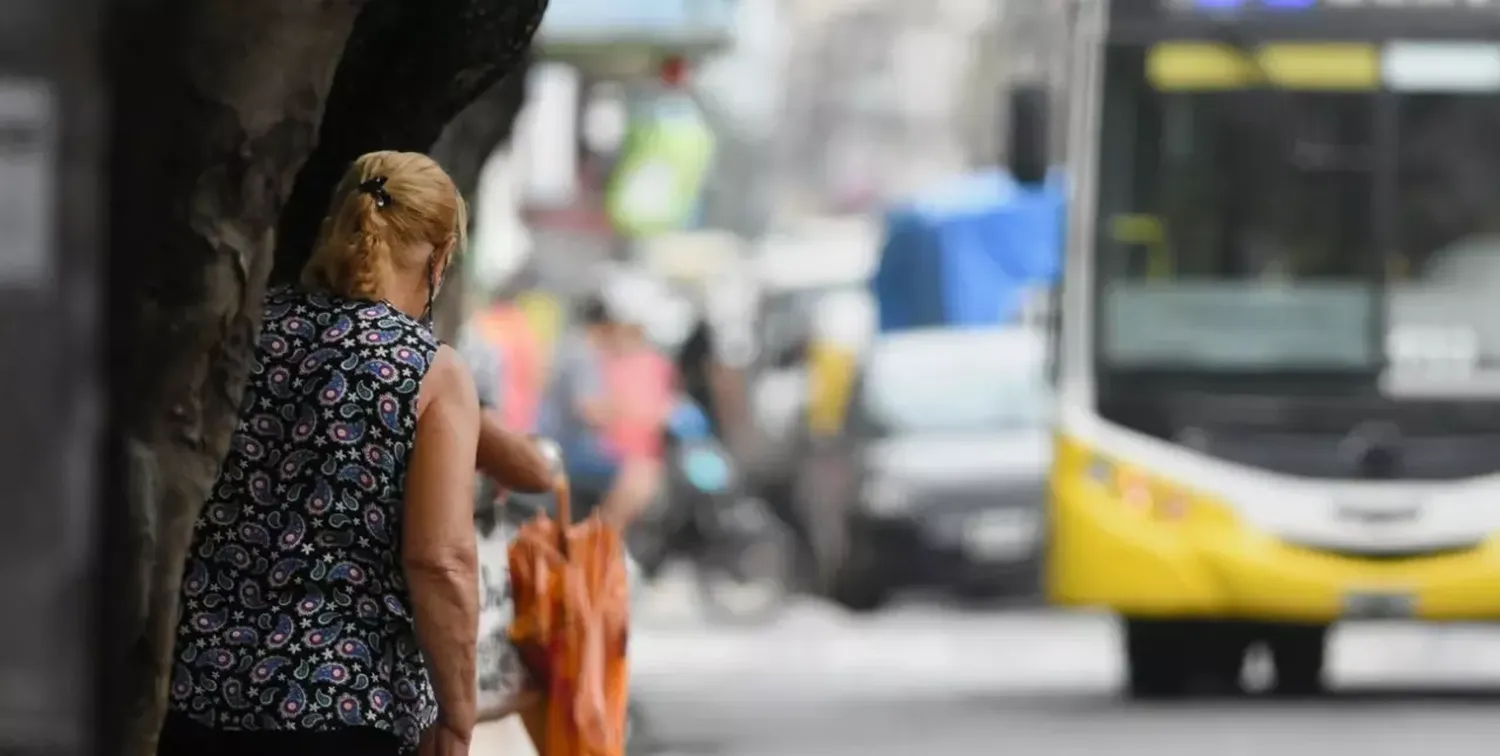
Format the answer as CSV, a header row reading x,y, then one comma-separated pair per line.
x,y
587,373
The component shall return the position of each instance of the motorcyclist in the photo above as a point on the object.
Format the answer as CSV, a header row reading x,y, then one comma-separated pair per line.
x,y
697,367
716,363
715,358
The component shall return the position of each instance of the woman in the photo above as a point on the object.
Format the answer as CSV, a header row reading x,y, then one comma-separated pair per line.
x,y
329,601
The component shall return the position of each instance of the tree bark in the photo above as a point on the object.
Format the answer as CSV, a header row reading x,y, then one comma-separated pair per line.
x,y
232,116
201,221
200,226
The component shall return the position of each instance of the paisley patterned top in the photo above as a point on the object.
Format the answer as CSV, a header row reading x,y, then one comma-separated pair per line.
x,y
295,613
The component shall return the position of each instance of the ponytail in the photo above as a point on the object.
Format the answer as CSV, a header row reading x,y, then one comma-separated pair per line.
x,y
353,255
368,253
386,203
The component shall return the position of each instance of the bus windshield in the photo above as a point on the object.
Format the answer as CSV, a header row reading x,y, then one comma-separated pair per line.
x,y
1446,269
1241,231
1236,229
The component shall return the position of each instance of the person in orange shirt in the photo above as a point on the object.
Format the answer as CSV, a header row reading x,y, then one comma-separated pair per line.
x,y
504,325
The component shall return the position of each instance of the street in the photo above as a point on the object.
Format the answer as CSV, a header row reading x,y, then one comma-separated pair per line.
x,y
925,678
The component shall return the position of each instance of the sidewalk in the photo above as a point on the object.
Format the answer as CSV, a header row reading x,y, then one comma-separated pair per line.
x,y
504,738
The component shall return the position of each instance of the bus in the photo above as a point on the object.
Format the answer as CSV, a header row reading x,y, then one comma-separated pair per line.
x,y
1276,353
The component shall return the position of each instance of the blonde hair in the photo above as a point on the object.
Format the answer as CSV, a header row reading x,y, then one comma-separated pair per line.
x,y
361,243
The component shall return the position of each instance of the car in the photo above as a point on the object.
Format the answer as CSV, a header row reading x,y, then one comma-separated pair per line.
x,y
938,477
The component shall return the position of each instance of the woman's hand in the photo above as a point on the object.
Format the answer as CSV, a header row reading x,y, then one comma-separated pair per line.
x,y
441,740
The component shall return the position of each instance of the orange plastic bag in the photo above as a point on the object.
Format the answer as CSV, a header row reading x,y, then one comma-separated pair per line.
x,y
571,626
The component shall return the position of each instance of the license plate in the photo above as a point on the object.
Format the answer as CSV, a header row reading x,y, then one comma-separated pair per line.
x,y
1000,535
1379,605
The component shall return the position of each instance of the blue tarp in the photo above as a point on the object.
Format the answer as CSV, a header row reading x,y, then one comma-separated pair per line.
x,y
965,254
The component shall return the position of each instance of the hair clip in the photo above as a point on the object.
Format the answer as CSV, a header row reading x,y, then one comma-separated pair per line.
x,y
375,187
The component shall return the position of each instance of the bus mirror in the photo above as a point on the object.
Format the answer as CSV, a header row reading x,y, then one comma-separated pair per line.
x,y
1028,151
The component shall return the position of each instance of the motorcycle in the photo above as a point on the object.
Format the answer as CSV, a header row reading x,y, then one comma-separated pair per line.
x,y
742,554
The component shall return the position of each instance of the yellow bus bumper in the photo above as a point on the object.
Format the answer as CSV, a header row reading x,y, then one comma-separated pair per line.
x,y
1143,550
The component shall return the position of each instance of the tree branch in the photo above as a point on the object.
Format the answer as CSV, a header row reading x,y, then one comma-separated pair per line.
x,y
409,68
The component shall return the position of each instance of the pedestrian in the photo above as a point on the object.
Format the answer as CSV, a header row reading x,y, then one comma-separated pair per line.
x,y
504,324
329,598
578,405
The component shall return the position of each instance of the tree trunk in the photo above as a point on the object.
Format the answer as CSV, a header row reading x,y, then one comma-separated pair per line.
x,y
200,226
221,104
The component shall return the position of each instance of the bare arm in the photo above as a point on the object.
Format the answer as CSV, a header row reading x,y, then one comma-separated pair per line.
x,y
438,549
510,458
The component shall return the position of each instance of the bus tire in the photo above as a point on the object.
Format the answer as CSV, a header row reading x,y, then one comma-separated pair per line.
x,y
1298,653
1156,666
1173,658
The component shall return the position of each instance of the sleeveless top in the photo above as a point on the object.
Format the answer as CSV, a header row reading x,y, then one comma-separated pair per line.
x,y
295,612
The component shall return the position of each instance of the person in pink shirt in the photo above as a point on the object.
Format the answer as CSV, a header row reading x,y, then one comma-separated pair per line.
x,y
641,385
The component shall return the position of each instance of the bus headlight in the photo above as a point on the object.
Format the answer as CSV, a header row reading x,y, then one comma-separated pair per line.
x,y
1140,492
882,497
